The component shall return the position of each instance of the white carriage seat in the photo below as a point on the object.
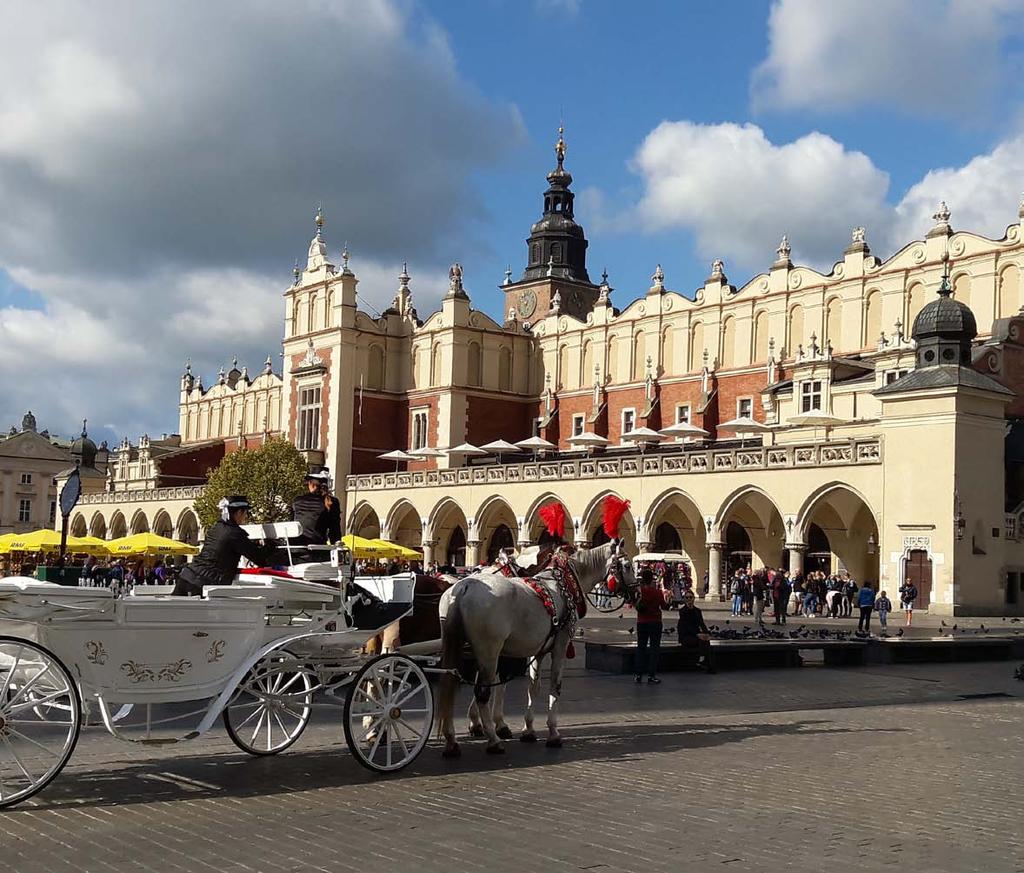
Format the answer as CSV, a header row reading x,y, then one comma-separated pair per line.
x,y
26,599
315,572
275,589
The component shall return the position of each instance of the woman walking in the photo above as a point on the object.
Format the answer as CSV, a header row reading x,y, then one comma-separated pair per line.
x,y
649,604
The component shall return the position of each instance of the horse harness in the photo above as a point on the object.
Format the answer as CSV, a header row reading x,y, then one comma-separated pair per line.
x,y
569,589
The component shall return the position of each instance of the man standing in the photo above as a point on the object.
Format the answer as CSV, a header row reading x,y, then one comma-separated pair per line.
x,y
758,589
866,602
318,511
780,595
908,594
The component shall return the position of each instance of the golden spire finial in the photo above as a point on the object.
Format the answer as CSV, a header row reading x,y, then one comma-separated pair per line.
x,y
560,145
319,216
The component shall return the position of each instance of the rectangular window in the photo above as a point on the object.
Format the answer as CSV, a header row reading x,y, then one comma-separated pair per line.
x,y
810,396
420,420
53,511
893,375
26,478
577,425
683,413
24,510
537,423
628,420
744,407
309,418
1011,527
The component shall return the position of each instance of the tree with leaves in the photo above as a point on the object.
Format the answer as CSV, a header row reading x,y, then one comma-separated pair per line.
x,y
271,476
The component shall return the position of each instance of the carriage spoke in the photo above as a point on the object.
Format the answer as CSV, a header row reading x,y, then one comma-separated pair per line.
x,y
33,704
280,724
28,685
372,730
414,691
10,675
398,736
35,743
251,716
295,678
375,746
259,725
17,760
415,733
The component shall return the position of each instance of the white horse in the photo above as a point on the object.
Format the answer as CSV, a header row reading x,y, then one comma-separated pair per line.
x,y
499,615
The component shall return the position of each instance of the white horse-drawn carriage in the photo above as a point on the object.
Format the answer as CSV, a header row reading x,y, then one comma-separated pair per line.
x,y
252,654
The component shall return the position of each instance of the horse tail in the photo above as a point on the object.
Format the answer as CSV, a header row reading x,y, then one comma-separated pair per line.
x,y
453,639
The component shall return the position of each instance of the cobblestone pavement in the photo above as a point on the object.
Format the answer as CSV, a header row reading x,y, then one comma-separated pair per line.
x,y
806,770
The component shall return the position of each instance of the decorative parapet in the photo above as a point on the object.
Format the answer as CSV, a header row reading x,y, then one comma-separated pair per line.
x,y
143,495
831,454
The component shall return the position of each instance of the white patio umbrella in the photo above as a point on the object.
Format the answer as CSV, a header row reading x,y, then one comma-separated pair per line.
x,y
536,444
746,424
642,435
427,452
398,456
466,450
683,429
816,420
500,447
588,440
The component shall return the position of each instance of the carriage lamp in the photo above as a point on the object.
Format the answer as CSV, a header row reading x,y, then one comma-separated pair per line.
x,y
959,522
871,544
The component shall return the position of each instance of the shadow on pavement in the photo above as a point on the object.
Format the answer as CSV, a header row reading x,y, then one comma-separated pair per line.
x,y
199,777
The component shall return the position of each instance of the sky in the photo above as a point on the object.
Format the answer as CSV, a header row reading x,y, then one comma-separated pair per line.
x,y
160,164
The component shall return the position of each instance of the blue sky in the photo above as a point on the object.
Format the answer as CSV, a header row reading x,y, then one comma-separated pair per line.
x,y
159,164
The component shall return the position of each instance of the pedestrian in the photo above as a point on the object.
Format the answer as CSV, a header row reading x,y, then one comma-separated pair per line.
x,y
908,594
692,632
758,587
736,590
780,596
866,602
850,592
649,604
883,606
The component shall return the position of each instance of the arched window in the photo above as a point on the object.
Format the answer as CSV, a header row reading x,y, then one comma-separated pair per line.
x,y
611,367
1009,291
760,337
639,356
915,303
474,375
587,366
563,379
375,368
872,317
504,369
556,253
729,342
695,354
435,365
796,329
834,323
668,350
962,288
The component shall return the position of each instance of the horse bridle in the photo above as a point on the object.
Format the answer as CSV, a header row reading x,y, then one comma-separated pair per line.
x,y
629,591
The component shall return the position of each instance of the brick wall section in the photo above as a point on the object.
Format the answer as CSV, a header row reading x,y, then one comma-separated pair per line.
x,y
497,417
417,402
385,427
189,468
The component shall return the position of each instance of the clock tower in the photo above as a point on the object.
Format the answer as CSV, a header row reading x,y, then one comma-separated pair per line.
x,y
556,268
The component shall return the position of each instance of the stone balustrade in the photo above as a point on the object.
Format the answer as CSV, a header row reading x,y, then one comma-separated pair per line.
x,y
143,495
710,460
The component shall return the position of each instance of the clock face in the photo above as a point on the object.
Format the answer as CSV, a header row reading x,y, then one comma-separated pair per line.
x,y
527,303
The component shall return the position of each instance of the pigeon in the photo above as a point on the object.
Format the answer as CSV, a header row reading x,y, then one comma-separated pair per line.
x,y
631,630
941,631
954,627
943,623
727,621
981,626
900,632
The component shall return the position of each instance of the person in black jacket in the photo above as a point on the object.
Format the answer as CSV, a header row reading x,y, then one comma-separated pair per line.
x,y
318,511
225,544
692,632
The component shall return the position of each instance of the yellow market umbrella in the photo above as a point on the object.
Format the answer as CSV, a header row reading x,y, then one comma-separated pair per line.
x,y
44,540
149,544
361,547
87,545
404,552
4,540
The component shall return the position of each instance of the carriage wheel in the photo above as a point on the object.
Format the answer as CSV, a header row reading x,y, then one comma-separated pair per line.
x,y
271,707
604,600
388,713
40,719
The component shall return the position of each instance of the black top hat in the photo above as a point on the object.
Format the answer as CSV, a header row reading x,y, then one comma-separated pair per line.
x,y
239,501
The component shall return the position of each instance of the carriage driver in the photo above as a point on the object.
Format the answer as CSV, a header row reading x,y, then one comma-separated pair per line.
x,y
226,542
318,511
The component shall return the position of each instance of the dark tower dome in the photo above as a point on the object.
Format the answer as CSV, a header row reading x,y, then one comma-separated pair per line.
x,y
944,329
83,450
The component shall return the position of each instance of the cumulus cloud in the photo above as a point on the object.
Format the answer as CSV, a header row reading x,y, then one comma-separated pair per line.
x,y
160,165
932,57
738,192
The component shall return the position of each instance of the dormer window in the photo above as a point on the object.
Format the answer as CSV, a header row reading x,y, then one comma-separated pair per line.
x,y
810,396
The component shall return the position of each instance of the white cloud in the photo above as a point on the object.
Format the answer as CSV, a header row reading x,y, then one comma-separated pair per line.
x,y
738,192
159,167
932,57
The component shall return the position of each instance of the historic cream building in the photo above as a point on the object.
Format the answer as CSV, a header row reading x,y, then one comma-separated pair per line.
x,y
885,399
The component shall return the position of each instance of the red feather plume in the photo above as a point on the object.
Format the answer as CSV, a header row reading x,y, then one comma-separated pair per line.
x,y
614,509
553,516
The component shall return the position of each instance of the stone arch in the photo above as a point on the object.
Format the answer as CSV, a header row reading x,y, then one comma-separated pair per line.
x,y
639,371
729,341
849,523
140,524
564,379
162,524
475,366
915,303
611,367
118,526
435,365
364,521
77,528
98,526
755,511
695,352
403,525
375,368
795,329
504,369
677,508
760,348
533,527
449,527
1008,293
592,520
587,363
186,529
872,318
667,353
491,516
962,288
833,323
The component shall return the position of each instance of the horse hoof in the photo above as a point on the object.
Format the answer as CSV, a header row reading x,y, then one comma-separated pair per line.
x,y
498,749
476,731
527,737
505,732
451,752
554,743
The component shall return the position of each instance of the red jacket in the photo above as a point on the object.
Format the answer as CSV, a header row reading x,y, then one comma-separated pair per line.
x,y
649,605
